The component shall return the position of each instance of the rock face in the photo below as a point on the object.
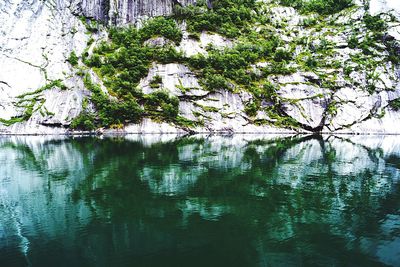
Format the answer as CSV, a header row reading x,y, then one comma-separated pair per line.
x,y
387,6
37,39
125,11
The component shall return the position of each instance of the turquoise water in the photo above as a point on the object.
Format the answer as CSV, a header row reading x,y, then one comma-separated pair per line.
x,y
164,200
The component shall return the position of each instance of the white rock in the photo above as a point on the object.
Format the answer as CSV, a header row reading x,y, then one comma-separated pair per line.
x,y
37,39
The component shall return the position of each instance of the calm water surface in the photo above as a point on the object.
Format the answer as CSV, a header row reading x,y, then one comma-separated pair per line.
x,y
243,200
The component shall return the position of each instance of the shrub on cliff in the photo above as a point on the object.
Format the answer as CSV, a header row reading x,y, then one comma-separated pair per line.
x,y
323,7
85,122
395,104
227,17
161,26
161,105
73,59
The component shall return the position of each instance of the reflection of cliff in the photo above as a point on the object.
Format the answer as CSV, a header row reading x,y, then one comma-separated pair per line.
x,y
143,195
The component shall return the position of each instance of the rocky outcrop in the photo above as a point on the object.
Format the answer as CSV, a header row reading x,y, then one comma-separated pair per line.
x,y
387,6
125,11
38,38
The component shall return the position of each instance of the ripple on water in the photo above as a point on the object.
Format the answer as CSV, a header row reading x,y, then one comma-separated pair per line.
x,y
246,200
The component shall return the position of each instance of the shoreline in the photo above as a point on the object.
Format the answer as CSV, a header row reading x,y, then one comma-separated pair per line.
x,y
221,133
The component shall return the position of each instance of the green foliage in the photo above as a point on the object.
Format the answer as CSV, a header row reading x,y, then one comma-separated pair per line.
x,y
227,17
85,120
214,82
308,22
395,104
353,41
31,102
50,85
332,108
160,104
125,60
251,109
282,55
90,24
375,23
113,111
270,92
374,39
278,68
323,7
257,56
12,121
167,55
161,26
73,59
156,82
94,61
280,118
186,123
311,63
230,67
393,49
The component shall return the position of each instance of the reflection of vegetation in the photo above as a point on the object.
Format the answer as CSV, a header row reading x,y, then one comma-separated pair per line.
x,y
244,202
28,158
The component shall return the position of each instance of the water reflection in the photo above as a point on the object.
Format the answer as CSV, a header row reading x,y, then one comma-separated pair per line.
x,y
242,200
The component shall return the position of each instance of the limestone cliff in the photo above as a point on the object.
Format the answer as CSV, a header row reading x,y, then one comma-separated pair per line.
x,y
119,12
41,92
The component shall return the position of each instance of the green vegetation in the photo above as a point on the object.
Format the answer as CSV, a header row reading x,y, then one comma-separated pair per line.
x,y
395,104
161,26
121,63
232,68
258,57
353,41
73,59
160,104
32,102
113,111
323,7
332,108
372,44
375,23
282,55
393,48
230,18
92,26
125,60
85,120
378,28
251,109
156,82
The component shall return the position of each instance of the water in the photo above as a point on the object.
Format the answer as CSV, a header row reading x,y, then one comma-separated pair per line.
x,y
243,200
